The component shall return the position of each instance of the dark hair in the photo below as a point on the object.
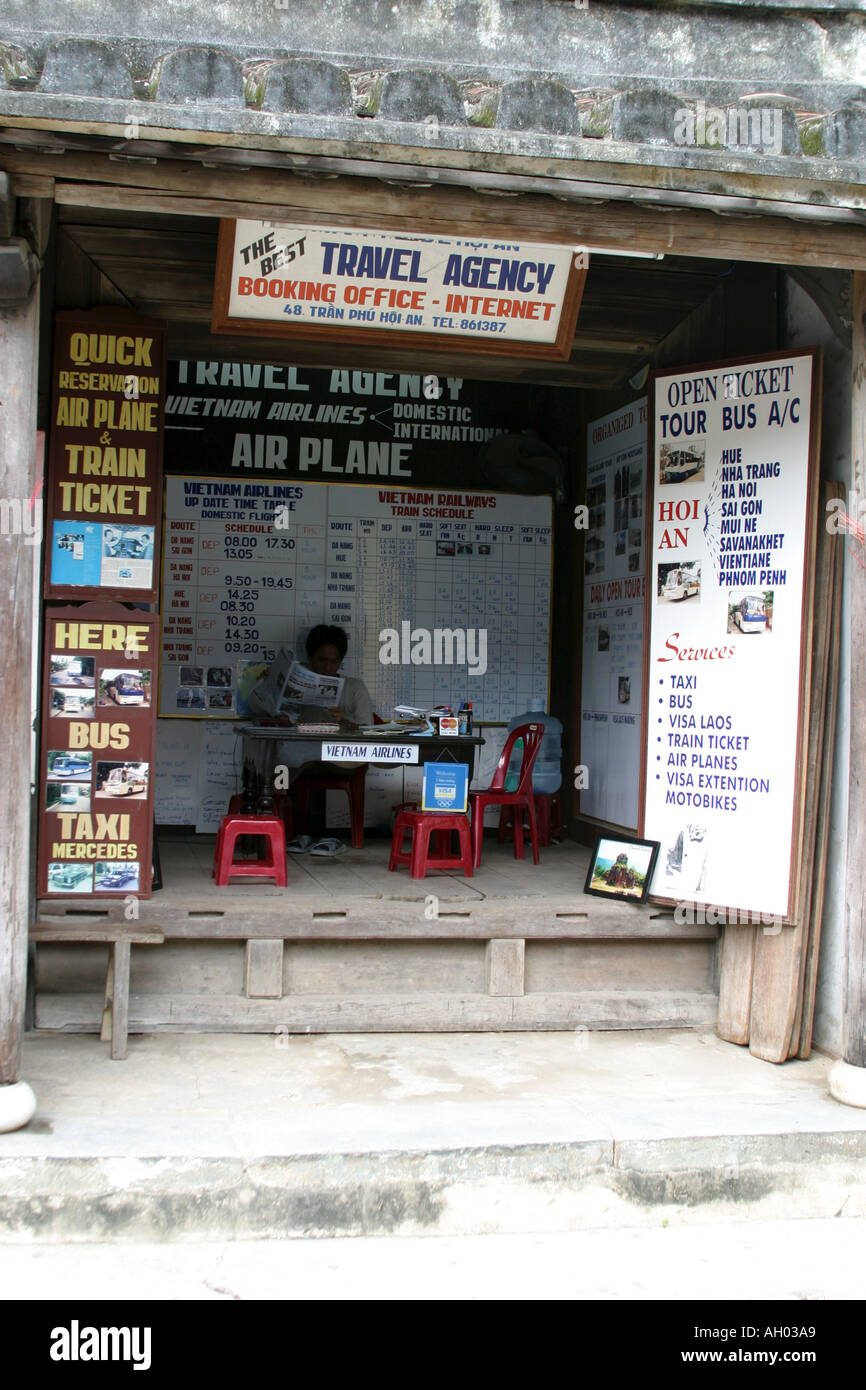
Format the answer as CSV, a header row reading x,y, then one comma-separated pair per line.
x,y
323,636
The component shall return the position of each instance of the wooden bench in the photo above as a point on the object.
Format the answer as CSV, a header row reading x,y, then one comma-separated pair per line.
x,y
120,940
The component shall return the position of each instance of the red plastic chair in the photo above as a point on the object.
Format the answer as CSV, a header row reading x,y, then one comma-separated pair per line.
x,y
548,813
421,825
354,784
496,795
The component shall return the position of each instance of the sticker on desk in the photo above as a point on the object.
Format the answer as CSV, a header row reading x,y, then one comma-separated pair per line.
x,y
446,787
379,752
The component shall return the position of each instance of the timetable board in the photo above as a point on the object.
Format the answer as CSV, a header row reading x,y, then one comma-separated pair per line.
x,y
413,576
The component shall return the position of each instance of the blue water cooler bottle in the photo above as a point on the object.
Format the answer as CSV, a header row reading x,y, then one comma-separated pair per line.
x,y
547,772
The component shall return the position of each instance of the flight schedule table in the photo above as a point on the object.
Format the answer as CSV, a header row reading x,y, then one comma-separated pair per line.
x,y
444,596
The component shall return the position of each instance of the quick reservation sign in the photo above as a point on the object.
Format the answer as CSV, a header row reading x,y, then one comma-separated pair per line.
x,y
105,456
518,298
733,507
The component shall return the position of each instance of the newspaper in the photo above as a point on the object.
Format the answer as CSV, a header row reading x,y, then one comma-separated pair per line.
x,y
304,687
289,685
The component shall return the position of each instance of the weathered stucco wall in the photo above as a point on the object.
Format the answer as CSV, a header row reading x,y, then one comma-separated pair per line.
x,y
540,77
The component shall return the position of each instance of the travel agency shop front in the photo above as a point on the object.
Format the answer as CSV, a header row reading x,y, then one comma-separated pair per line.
x,y
574,386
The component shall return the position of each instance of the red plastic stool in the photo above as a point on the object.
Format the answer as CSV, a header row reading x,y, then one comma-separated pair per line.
x,y
548,813
283,808
421,825
441,838
271,829
234,807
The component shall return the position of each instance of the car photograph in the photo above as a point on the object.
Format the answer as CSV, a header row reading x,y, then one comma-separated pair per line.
x,y
119,876
70,877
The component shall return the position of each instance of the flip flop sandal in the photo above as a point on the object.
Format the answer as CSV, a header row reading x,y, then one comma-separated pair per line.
x,y
300,844
329,849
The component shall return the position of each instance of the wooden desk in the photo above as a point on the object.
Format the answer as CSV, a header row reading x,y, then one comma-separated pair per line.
x,y
431,747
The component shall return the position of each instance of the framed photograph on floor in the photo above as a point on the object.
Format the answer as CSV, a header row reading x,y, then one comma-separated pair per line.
x,y
621,867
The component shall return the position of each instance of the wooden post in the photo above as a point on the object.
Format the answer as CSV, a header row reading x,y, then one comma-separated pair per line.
x,y
264,969
505,967
18,376
848,1077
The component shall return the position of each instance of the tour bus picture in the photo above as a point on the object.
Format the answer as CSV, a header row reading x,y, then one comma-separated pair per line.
x,y
750,614
124,781
70,765
680,465
126,688
681,583
72,702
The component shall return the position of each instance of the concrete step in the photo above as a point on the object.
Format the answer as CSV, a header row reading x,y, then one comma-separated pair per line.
x,y
478,1191
200,1137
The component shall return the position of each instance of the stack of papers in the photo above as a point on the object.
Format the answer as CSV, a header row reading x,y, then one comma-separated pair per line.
x,y
396,726
316,729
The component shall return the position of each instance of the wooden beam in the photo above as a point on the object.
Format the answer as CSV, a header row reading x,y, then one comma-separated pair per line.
x,y
824,793
18,467
215,916
854,1008
735,984
402,1012
194,340
33,186
185,187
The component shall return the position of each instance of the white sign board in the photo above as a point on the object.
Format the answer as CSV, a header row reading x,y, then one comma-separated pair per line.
x,y
379,752
611,712
732,541
497,294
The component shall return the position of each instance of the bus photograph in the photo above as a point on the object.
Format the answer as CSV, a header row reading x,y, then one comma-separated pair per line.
x,y
678,582
121,779
72,670
72,702
749,613
124,687
69,764
678,465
